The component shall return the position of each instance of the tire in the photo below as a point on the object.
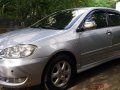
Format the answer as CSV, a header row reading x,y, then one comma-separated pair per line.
x,y
59,73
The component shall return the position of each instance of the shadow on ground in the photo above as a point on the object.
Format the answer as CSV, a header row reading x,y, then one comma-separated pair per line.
x,y
106,74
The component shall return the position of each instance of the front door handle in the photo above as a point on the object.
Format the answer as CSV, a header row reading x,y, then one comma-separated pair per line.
x,y
108,32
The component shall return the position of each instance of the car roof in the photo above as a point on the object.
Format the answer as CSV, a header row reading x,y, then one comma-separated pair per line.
x,y
93,8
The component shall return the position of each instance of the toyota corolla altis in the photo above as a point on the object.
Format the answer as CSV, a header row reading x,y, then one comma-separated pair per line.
x,y
53,50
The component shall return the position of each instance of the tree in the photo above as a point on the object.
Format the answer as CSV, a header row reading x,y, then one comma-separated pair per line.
x,y
36,9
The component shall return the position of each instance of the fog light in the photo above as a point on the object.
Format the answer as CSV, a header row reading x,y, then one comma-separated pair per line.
x,y
13,80
20,80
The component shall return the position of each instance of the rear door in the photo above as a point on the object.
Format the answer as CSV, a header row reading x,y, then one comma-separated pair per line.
x,y
114,24
95,43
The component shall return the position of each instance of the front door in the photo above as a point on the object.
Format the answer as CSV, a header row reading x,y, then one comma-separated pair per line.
x,y
95,43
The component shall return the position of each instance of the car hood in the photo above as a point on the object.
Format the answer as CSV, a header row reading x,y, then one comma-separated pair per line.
x,y
26,36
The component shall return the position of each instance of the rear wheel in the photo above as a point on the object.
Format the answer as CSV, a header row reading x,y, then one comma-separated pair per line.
x,y
59,73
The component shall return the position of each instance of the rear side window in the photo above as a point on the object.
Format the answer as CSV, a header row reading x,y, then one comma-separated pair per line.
x,y
113,19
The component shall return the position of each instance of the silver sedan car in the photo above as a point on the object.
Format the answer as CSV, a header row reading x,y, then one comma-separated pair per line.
x,y
54,49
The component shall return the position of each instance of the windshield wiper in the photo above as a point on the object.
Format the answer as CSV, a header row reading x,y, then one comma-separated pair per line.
x,y
46,27
35,27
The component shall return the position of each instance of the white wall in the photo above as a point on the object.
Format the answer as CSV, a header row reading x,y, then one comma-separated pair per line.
x,y
118,6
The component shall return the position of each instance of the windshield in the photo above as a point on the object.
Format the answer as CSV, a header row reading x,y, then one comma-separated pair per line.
x,y
59,20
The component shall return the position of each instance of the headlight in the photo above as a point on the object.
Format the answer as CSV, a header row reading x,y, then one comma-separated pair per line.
x,y
18,51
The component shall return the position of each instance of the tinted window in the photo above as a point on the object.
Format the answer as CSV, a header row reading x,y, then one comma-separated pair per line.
x,y
114,19
60,20
99,18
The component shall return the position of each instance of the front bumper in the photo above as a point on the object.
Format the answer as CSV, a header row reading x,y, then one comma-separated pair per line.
x,y
19,73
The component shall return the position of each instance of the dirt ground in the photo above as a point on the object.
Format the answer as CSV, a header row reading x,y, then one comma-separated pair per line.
x,y
103,77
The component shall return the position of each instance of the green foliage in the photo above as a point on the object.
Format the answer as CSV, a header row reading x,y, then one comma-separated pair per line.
x,y
101,3
35,9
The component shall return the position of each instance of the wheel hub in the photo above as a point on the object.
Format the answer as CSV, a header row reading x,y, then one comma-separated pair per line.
x,y
61,73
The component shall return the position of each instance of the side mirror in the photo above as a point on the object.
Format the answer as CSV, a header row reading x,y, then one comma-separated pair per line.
x,y
89,25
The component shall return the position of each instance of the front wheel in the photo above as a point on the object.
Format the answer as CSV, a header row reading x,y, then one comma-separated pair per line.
x,y
59,73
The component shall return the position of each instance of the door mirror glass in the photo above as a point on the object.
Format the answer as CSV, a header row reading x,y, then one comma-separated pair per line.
x,y
89,25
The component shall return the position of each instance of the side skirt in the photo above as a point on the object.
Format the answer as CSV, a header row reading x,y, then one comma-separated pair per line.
x,y
91,65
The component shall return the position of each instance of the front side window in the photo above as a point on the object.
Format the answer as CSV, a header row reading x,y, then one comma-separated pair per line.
x,y
99,18
60,20
113,19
